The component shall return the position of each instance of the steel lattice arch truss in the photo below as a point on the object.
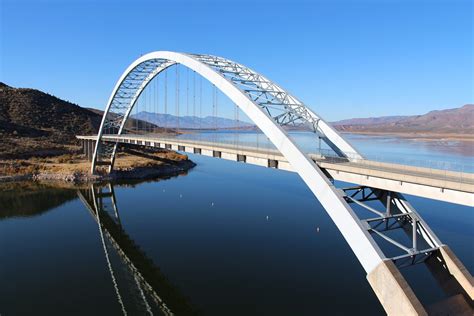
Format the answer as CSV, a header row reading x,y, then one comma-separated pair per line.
x,y
235,80
271,108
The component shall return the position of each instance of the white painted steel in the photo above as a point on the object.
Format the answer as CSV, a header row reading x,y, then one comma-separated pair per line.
x,y
366,250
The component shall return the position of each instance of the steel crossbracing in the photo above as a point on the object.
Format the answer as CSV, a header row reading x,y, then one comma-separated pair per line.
x,y
396,213
271,108
279,104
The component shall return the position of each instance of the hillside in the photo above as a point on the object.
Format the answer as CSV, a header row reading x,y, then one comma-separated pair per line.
x,y
32,113
34,123
457,121
370,120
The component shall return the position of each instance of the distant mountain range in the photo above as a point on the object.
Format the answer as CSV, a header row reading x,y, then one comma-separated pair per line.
x,y
450,121
190,122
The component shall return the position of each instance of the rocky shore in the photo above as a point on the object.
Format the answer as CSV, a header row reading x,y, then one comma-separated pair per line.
x,y
74,169
82,177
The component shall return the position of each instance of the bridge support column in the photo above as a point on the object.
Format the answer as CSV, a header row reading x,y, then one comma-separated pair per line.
x,y
457,270
91,149
86,148
393,291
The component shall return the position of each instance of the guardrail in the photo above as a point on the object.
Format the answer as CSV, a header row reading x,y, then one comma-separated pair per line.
x,y
413,169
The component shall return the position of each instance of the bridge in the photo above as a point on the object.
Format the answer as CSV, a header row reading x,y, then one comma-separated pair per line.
x,y
275,112
442,185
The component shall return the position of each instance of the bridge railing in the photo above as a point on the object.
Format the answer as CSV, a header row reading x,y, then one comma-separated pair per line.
x,y
444,171
441,171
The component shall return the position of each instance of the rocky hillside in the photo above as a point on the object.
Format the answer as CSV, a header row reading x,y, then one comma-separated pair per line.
x,y
459,121
32,113
34,123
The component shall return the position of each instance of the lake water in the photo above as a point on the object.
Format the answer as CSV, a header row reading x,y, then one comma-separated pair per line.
x,y
223,239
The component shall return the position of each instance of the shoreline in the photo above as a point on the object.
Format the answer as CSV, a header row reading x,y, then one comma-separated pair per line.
x,y
139,173
75,168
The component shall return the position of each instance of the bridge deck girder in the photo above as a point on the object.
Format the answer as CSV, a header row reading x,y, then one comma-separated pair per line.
x,y
447,186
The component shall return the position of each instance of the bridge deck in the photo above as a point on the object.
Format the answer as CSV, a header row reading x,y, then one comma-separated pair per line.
x,y
450,186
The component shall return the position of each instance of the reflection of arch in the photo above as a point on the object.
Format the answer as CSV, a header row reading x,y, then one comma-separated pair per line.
x,y
152,287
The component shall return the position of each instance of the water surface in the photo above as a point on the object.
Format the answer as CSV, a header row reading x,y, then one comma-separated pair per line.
x,y
224,239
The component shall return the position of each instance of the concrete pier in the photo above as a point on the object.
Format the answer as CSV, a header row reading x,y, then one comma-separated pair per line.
x,y
393,291
88,146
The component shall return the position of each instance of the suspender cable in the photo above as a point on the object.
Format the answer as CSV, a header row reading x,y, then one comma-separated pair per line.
x,y
258,136
200,106
187,91
194,99
136,120
177,96
147,105
238,123
143,109
142,105
217,105
157,102
236,127
153,107
166,101
213,92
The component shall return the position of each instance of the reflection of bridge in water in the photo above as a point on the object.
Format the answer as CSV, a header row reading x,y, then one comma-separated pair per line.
x,y
143,288
367,227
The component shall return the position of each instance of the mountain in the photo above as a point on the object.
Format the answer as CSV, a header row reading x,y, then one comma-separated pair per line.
x,y
370,120
133,124
32,113
190,122
34,123
37,124
458,121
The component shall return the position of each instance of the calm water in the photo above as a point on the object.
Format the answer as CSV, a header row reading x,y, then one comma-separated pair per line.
x,y
224,239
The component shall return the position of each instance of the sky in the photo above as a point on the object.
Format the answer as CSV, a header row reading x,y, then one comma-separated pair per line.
x,y
342,58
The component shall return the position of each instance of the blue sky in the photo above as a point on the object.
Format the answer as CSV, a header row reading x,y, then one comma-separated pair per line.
x,y
342,58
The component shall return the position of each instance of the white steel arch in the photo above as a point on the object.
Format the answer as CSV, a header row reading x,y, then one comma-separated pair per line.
x,y
270,107
238,82
139,74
